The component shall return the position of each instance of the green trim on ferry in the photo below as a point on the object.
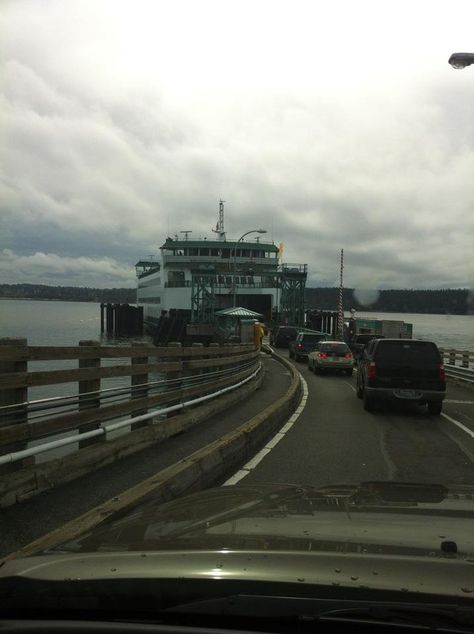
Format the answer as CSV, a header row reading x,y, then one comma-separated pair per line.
x,y
218,244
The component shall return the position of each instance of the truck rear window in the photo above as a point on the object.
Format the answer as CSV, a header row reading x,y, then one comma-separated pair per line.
x,y
405,352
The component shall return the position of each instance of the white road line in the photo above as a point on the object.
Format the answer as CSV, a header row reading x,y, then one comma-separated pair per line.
x,y
449,400
251,464
458,424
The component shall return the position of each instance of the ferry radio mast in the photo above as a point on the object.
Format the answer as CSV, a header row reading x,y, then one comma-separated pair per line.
x,y
220,224
340,316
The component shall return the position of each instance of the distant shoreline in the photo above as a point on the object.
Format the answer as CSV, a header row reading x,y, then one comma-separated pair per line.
x,y
50,299
357,312
391,301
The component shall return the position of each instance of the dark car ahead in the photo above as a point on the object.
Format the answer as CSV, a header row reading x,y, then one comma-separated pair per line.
x,y
282,335
401,370
305,342
359,342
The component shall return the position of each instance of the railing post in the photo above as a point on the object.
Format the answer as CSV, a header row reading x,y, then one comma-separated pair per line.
x,y
213,346
197,358
91,401
12,396
452,357
465,359
139,392
176,385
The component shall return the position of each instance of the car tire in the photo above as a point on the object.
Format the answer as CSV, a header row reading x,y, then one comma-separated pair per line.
x,y
435,407
368,402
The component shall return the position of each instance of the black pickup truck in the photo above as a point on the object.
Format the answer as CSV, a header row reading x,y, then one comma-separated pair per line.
x,y
402,370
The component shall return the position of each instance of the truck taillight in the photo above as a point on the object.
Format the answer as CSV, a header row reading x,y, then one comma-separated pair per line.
x,y
372,370
322,355
442,373
300,346
348,356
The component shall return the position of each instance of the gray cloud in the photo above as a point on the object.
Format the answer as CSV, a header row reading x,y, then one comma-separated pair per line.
x,y
101,160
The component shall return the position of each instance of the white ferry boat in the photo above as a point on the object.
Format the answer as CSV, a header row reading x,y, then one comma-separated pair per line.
x,y
200,276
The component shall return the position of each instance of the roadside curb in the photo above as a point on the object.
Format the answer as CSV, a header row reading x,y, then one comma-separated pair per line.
x,y
203,468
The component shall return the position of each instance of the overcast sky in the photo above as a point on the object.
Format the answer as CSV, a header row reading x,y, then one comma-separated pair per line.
x,y
335,124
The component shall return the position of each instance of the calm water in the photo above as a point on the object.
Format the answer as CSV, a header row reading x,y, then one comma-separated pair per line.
x,y
49,323
45,323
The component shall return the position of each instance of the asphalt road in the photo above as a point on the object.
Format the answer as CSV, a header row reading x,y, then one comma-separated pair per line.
x,y
334,440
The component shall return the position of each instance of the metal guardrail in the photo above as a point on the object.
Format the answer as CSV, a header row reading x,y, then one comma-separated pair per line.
x,y
103,429
460,373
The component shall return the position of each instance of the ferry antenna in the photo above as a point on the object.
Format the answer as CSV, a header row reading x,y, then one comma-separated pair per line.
x,y
220,223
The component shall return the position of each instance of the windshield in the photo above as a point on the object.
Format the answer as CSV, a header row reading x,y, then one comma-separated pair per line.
x,y
236,262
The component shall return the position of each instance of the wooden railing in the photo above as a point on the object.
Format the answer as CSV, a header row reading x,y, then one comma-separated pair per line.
x,y
87,408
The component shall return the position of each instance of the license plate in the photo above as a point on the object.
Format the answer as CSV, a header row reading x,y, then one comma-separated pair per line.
x,y
407,394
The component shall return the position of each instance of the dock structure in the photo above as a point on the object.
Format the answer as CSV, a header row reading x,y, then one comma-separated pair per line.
x,y
121,319
324,321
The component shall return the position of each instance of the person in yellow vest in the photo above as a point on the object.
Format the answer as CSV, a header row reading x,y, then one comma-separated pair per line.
x,y
258,334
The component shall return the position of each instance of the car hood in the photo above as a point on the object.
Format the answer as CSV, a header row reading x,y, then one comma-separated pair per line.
x,y
376,534
372,517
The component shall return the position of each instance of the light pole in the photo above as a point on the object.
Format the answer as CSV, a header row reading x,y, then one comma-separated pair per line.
x,y
461,60
235,260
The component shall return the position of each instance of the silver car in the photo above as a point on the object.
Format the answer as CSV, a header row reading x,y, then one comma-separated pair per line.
x,y
331,355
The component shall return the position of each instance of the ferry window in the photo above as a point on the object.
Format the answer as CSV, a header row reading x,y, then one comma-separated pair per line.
x,y
251,281
176,276
215,252
225,253
228,280
193,251
245,253
203,251
221,279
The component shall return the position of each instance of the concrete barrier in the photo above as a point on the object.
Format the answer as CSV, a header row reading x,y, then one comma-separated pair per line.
x,y
206,467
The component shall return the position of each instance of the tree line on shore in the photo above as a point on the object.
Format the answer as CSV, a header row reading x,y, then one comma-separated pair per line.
x,y
68,293
446,301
